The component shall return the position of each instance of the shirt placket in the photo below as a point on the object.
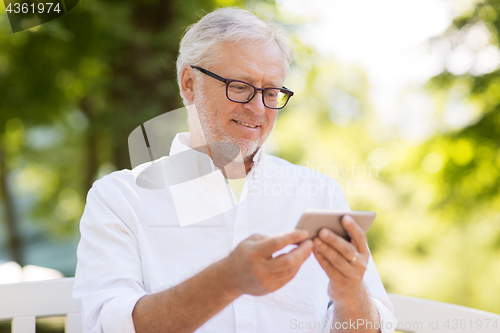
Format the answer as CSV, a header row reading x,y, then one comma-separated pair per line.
x,y
243,306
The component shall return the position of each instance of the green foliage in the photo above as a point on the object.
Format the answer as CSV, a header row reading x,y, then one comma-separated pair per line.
x,y
471,155
456,175
86,80
437,231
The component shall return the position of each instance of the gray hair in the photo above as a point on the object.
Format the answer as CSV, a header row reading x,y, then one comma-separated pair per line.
x,y
202,41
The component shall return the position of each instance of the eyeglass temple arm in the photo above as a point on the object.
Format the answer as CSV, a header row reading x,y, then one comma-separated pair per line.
x,y
204,71
291,92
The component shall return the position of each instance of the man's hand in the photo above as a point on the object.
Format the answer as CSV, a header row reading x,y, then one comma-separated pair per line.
x,y
251,269
344,262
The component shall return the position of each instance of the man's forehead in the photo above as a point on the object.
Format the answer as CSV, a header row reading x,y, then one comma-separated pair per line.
x,y
274,80
252,62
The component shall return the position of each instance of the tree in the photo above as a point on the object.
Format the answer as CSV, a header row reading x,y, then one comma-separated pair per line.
x,y
90,77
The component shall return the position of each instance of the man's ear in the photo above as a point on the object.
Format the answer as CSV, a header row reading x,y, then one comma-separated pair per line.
x,y
187,83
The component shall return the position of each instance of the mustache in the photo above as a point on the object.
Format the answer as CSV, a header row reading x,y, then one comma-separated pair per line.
x,y
245,118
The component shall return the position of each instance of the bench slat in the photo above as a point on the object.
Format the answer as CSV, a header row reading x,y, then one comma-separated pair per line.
x,y
38,298
418,315
73,323
24,325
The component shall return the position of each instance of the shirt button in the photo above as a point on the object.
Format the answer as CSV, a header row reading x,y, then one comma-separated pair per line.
x,y
238,231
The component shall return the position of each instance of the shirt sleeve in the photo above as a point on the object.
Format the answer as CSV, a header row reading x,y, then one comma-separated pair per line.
x,y
108,279
379,297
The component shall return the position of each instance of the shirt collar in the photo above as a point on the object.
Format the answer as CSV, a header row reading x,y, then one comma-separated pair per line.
x,y
182,140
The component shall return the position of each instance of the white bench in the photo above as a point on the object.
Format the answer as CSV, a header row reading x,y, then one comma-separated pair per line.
x,y
22,302
418,315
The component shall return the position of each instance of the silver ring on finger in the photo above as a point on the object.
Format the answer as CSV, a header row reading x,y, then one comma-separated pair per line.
x,y
353,258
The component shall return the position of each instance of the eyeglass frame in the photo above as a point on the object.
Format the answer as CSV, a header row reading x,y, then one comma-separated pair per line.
x,y
255,89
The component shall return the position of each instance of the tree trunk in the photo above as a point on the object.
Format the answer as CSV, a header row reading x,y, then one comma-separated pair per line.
x,y
14,238
135,104
122,157
91,163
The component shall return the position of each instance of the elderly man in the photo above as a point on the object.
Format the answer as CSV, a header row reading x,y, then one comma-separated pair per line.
x,y
143,267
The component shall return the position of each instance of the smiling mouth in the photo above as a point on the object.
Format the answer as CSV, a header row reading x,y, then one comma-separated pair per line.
x,y
246,124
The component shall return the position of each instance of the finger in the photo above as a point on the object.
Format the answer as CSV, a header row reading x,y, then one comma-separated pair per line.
x,y
293,259
335,258
268,246
279,279
330,270
358,236
345,248
257,237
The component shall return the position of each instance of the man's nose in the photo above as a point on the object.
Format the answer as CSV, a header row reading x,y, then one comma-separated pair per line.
x,y
256,105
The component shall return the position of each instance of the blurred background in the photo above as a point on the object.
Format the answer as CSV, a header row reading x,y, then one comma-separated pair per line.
x,y
397,100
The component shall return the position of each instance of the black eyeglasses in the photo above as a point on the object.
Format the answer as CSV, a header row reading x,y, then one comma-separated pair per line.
x,y
243,92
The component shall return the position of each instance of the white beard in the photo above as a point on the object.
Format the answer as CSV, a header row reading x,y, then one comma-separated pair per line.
x,y
200,119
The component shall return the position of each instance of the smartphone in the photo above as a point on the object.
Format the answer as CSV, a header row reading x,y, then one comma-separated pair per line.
x,y
314,219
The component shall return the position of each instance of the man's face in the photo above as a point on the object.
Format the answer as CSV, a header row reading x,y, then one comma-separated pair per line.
x,y
259,64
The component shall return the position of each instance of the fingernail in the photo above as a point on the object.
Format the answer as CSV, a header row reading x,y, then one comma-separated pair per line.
x,y
323,233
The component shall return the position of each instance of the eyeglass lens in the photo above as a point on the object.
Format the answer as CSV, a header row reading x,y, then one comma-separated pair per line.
x,y
242,92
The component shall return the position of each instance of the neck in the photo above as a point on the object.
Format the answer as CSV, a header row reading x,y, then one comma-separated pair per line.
x,y
231,169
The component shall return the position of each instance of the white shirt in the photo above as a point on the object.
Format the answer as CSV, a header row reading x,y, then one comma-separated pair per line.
x,y
136,241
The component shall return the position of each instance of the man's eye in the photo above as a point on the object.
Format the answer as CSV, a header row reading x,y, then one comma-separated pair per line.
x,y
239,87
